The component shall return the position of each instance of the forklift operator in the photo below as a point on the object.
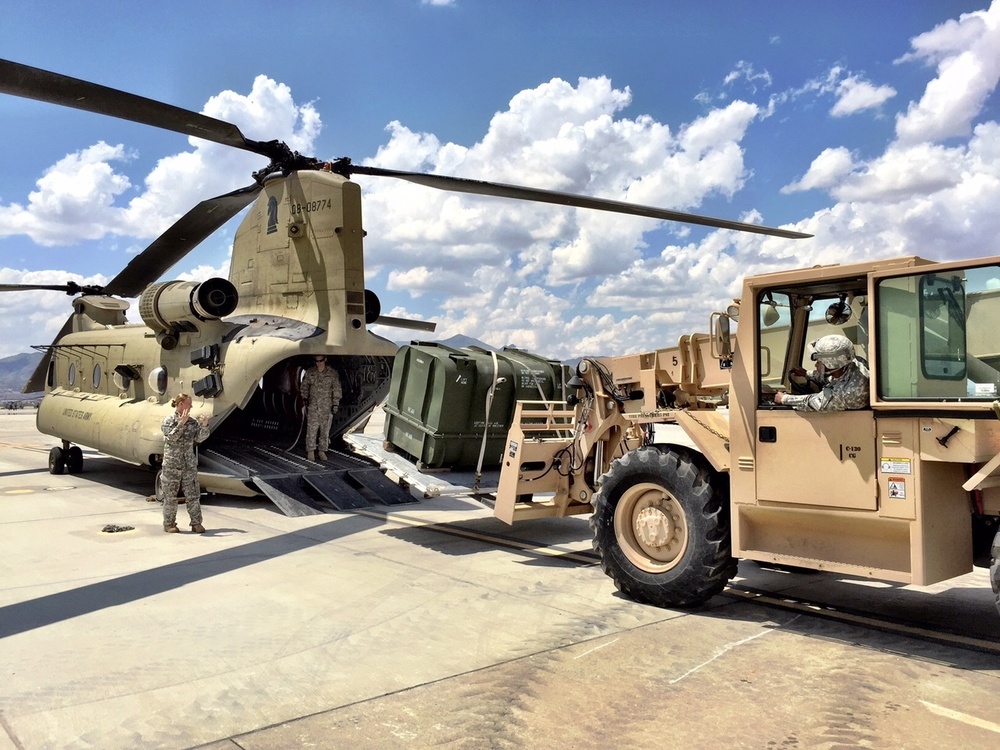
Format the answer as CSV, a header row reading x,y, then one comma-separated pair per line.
x,y
841,377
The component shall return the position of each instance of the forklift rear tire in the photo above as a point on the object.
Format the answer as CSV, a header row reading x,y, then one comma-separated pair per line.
x,y
661,528
995,570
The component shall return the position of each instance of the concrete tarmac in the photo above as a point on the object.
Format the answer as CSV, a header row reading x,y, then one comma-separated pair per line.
x,y
433,625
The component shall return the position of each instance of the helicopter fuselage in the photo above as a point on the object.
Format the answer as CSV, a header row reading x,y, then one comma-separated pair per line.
x,y
296,289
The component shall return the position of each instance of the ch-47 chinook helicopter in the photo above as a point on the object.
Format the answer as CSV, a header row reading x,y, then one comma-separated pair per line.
x,y
295,289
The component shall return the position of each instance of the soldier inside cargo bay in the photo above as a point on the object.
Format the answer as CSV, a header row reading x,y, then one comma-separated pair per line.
x,y
841,377
321,394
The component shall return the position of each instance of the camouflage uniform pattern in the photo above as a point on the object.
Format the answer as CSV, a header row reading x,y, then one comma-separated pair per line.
x,y
849,391
322,393
180,467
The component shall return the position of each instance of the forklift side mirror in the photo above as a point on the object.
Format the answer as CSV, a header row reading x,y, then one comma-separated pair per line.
x,y
722,345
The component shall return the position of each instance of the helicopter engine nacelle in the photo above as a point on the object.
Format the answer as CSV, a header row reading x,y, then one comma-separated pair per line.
x,y
171,307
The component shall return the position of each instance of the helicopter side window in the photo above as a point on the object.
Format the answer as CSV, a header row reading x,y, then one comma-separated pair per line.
x,y
158,380
97,376
51,377
72,373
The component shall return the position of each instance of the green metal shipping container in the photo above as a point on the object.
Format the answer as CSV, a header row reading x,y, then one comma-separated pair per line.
x,y
436,411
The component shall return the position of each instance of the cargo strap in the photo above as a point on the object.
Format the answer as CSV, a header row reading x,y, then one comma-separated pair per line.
x,y
486,427
534,378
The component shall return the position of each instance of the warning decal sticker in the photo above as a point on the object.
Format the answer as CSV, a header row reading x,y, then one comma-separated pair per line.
x,y
895,465
897,488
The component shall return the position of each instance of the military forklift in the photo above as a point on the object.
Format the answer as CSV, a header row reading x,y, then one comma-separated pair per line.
x,y
687,464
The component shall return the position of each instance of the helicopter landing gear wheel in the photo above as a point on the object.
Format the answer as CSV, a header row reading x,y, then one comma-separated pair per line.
x,y
57,460
661,528
995,570
74,460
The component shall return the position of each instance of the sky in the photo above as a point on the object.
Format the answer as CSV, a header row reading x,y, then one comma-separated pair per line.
x,y
873,126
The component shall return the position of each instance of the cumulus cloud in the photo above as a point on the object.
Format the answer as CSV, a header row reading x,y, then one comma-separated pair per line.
x,y
920,196
968,66
81,196
33,318
555,136
857,95
826,171
74,199
852,92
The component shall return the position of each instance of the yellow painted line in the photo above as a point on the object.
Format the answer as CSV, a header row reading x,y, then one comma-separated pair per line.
x,y
972,721
870,622
17,492
546,551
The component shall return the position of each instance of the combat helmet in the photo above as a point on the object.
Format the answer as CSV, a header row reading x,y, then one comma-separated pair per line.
x,y
834,351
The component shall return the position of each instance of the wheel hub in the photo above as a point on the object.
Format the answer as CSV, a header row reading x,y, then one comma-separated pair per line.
x,y
653,527
652,531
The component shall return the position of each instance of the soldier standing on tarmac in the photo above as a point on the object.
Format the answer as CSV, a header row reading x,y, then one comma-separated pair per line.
x,y
321,394
842,378
180,465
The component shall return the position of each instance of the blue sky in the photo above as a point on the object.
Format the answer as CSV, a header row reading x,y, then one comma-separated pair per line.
x,y
873,126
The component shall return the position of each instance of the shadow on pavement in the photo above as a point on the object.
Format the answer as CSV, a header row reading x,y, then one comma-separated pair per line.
x,y
47,610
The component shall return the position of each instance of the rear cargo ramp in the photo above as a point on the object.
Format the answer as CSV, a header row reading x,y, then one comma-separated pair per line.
x,y
300,487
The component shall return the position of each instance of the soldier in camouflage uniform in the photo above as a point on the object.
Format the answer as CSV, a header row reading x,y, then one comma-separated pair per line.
x,y
842,378
321,394
180,465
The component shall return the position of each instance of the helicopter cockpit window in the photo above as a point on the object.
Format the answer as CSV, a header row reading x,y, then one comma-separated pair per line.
x,y
97,376
158,380
51,376
71,378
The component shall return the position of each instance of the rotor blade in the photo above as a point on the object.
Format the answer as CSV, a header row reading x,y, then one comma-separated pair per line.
x,y
70,287
416,325
33,83
180,239
516,192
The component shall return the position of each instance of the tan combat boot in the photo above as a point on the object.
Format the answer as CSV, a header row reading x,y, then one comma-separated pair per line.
x,y
197,528
322,456
171,528
311,455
